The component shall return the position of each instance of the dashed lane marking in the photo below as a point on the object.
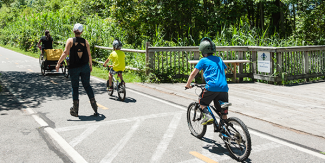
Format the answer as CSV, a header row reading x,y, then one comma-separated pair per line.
x,y
101,106
202,157
223,156
16,63
30,70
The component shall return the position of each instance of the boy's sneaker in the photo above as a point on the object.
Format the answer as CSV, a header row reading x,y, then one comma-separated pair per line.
x,y
110,88
207,119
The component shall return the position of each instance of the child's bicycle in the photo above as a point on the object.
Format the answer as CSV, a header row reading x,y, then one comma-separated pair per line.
x,y
117,85
234,132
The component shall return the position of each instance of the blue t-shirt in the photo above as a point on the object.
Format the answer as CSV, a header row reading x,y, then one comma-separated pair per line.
x,y
214,73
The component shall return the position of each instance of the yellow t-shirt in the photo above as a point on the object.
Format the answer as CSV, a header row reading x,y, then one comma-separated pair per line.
x,y
118,59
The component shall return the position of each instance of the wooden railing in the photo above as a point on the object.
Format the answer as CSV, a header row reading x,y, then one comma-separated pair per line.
x,y
287,63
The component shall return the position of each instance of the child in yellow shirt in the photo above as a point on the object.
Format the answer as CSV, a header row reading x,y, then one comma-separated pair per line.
x,y
118,59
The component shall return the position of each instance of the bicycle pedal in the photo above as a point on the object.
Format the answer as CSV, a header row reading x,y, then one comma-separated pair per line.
x,y
225,104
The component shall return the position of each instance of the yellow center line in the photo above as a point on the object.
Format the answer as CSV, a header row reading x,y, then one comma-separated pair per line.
x,y
30,70
202,157
6,58
101,106
16,63
53,82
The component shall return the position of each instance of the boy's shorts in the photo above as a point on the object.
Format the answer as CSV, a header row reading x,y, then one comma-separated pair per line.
x,y
111,71
206,97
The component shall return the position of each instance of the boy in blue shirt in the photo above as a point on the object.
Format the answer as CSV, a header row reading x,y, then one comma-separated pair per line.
x,y
215,76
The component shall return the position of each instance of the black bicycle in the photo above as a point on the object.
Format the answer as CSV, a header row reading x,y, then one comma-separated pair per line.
x,y
117,85
233,132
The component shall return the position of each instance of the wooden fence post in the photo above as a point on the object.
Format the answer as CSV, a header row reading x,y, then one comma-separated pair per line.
x,y
197,57
240,71
254,64
323,65
272,68
279,66
306,58
147,58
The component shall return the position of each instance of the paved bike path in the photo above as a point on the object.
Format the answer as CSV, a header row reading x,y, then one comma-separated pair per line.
x,y
300,108
50,96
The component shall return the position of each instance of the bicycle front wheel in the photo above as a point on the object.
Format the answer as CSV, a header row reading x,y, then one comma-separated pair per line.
x,y
66,71
239,142
194,119
121,91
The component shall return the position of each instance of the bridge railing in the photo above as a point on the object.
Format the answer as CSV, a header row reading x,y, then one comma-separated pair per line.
x,y
286,63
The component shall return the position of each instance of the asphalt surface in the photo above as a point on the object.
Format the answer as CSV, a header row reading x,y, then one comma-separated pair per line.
x,y
150,125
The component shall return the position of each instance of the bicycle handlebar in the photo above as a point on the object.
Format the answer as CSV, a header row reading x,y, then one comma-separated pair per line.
x,y
202,86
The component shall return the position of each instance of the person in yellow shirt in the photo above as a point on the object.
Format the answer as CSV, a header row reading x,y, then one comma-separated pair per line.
x,y
118,59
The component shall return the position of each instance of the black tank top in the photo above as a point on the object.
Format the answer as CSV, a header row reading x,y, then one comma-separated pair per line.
x,y
78,53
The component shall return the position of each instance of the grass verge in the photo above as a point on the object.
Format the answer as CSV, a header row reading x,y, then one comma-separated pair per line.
x,y
98,71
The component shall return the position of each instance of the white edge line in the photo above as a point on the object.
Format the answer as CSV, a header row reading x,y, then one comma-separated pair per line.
x,y
288,144
65,145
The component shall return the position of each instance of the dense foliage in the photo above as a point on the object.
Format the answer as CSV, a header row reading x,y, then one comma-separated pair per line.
x,y
164,23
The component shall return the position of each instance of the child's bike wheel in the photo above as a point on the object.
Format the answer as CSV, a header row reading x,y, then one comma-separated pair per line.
x,y
239,143
43,69
194,119
121,92
110,92
66,71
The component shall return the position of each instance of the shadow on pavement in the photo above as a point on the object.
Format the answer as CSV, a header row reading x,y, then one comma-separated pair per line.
x,y
100,117
33,88
218,149
8,101
126,100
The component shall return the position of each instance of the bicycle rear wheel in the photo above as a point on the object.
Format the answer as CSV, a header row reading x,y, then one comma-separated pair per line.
x,y
194,119
121,91
239,142
43,68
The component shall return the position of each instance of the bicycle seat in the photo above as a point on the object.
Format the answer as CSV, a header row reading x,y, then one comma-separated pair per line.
x,y
224,104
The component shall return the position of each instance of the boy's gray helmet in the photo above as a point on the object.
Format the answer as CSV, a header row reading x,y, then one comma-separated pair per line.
x,y
117,44
207,46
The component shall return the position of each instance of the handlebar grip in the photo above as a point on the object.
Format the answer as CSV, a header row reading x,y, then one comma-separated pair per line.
x,y
191,86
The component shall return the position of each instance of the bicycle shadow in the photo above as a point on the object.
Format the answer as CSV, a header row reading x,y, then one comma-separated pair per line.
x,y
126,100
100,117
218,148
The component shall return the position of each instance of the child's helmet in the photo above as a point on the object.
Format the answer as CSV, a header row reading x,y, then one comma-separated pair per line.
x,y
207,46
117,44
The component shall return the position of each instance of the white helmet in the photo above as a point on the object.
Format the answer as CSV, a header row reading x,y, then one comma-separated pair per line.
x,y
117,44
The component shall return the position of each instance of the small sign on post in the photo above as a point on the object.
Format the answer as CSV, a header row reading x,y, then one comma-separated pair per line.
x,y
263,61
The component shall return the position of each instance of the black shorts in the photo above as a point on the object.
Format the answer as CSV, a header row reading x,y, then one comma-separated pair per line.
x,y
111,71
206,97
